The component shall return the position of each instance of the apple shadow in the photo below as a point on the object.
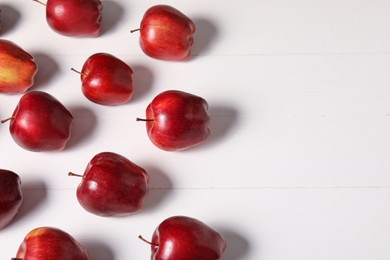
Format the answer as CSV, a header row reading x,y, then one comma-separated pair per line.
x,y
10,16
159,187
34,193
47,68
237,246
112,14
98,250
222,120
205,34
85,122
143,81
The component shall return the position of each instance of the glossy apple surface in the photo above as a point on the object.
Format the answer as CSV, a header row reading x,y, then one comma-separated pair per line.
x,y
166,33
50,243
107,80
112,185
17,68
11,196
186,238
177,120
40,122
77,18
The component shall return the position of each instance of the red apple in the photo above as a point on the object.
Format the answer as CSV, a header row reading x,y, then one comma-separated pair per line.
x,y
40,122
78,18
185,238
11,196
166,33
17,68
112,185
177,120
107,80
50,243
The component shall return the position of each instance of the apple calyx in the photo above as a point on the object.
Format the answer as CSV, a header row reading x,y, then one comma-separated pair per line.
x,y
41,4
7,119
144,119
148,242
75,174
13,258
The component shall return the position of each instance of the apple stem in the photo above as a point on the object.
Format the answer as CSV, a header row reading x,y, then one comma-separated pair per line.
x,y
148,242
74,174
13,258
144,120
7,119
135,30
41,4
77,71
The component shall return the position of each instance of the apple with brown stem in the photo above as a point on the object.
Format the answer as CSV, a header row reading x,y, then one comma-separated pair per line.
x,y
106,80
177,120
40,122
112,186
185,238
76,18
166,33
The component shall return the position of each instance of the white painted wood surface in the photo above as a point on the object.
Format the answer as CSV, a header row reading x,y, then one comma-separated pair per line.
x,y
297,165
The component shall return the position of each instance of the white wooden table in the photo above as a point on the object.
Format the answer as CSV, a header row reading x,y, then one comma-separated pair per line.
x,y
297,165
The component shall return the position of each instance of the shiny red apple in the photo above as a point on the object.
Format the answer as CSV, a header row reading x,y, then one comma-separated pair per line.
x,y
177,120
166,33
50,243
112,185
77,18
11,196
40,122
186,238
17,68
107,80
